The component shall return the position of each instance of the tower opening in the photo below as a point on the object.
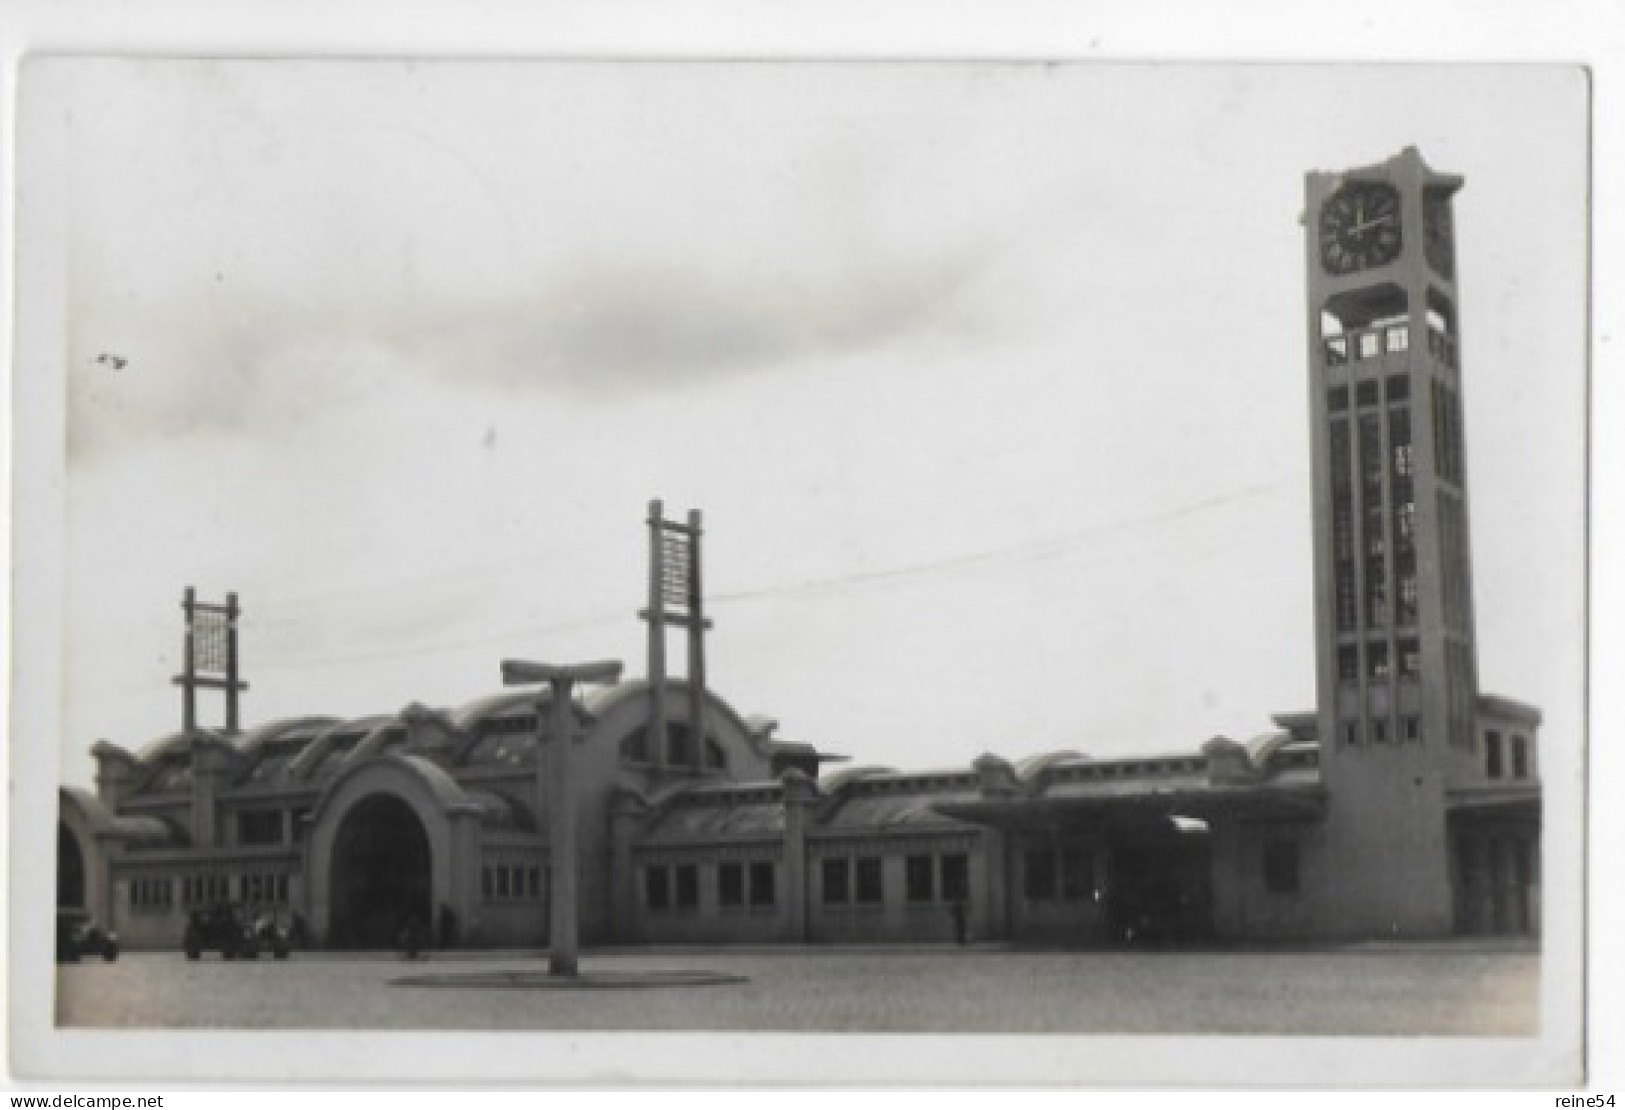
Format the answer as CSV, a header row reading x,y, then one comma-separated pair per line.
x,y
380,876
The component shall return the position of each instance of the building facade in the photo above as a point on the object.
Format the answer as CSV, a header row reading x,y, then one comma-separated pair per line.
x,y
1406,803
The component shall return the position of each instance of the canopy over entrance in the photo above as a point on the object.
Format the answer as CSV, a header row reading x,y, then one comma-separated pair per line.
x,y
1211,805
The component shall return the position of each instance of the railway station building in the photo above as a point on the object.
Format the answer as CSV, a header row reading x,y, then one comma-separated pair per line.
x,y
1404,803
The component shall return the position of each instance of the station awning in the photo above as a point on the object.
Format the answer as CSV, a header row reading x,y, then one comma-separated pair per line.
x,y
1495,801
1213,804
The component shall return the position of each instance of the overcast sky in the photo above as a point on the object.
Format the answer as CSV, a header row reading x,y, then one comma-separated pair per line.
x,y
989,379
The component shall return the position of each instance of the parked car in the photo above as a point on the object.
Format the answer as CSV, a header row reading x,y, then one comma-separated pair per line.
x,y
234,929
77,935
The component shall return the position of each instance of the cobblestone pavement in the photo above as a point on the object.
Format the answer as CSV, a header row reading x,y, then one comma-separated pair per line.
x,y
1378,991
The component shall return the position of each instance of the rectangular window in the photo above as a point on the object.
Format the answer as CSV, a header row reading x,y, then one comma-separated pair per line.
x,y
1281,865
1337,350
1376,593
1492,755
955,877
656,888
871,885
1351,732
1405,613
1397,388
837,880
1379,731
919,878
1520,757
1337,398
1038,874
533,882
259,826
687,879
1376,660
1375,539
730,884
488,884
1347,610
1413,728
1348,664
1365,393
1370,344
1370,439
1410,658
1399,438
1399,339
761,883
1077,874
679,747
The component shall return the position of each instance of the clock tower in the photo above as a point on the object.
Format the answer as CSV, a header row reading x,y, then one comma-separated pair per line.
x,y
1395,660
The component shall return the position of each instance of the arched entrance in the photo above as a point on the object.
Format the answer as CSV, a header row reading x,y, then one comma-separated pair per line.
x,y
70,869
381,874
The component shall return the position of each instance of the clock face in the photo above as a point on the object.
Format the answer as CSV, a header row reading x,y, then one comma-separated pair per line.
x,y
1359,227
1439,242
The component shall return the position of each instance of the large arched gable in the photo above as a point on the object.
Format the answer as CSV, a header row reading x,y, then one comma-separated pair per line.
x,y
448,816
619,710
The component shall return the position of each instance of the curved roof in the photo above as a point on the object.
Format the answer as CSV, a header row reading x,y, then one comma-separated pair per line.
x,y
442,788
1035,765
601,699
322,744
499,811
176,743
148,832
96,815
254,739
472,713
846,776
889,810
747,821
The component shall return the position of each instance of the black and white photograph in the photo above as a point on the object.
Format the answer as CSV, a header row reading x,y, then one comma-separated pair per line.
x,y
997,559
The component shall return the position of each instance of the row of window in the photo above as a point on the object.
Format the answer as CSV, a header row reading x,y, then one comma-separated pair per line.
x,y
1367,344
1379,532
1378,665
1496,756
638,747
264,827
1368,394
511,883
151,894
1394,338
843,881
1378,730
739,884
926,878
258,887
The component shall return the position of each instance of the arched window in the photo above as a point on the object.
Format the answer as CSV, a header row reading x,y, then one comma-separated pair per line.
x,y
635,747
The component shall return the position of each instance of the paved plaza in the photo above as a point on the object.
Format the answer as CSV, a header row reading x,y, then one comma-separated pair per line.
x,y
1381,991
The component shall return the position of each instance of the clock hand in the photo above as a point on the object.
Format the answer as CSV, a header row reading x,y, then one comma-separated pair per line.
x,y
1365,224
